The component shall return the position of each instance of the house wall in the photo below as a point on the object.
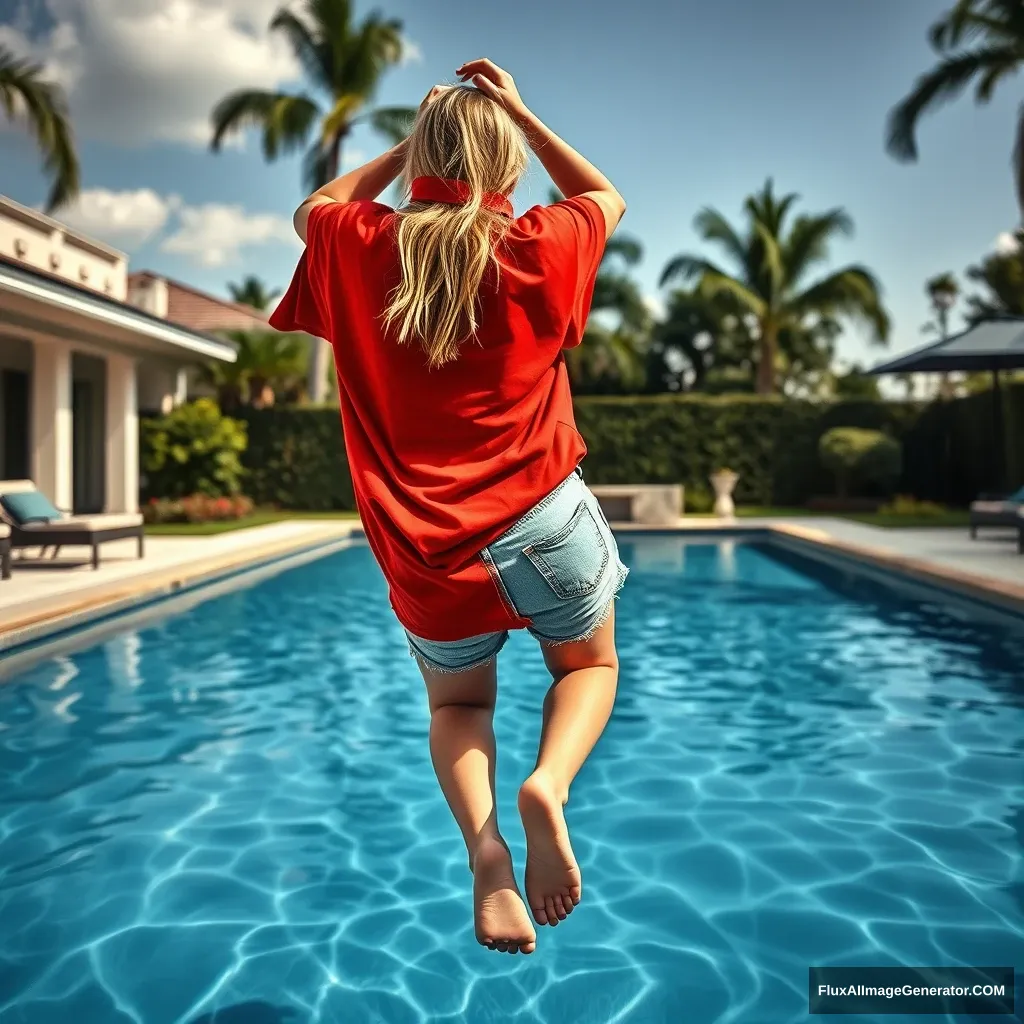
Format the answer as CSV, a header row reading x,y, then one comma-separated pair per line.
x,y
38,241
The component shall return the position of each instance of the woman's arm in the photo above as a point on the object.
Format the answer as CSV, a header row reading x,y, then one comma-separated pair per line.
x,y
366,182
572,173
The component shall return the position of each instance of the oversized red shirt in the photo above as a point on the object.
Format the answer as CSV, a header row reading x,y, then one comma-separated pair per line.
x,y
444,461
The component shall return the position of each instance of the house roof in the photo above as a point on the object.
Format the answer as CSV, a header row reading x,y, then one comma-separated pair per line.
x,y
30,282
200,311
995,344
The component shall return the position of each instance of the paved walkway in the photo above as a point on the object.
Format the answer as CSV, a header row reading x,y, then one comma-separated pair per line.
x,y
41,589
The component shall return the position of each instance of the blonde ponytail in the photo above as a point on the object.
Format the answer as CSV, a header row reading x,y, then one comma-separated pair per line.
x,y
445,249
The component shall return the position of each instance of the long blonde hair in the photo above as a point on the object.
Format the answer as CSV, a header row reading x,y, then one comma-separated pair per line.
x,y
445,249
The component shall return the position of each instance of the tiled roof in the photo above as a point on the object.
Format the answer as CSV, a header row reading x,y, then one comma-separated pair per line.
x,y
202,312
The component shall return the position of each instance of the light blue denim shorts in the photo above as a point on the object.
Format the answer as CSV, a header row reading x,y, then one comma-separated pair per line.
x,y
558,567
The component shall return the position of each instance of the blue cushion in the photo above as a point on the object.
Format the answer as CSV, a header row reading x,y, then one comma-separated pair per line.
x,y
29,507
1017,497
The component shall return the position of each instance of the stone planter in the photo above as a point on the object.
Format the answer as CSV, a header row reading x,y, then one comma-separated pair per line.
x,y
724,482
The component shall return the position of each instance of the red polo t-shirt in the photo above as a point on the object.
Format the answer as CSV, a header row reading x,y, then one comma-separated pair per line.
x,y
444,461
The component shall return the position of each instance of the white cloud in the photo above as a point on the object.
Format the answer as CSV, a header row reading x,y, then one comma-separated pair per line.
x,y
1006,243
210,235
215,234
138,71
412,52
125,219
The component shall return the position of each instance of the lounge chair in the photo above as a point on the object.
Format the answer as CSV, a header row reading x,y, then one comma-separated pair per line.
x,y
5,552
996,512
35,523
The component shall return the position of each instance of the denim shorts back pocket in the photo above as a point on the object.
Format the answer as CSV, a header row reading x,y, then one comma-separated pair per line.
x,y
574,559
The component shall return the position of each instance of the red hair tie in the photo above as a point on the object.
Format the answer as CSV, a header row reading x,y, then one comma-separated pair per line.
x,y
451,190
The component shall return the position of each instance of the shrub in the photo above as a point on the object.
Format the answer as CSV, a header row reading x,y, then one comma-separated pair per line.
x,y
698,499
864,457
192,450
197,508
905,505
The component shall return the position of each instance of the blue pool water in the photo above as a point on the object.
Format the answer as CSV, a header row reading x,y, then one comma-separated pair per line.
x,y
229,816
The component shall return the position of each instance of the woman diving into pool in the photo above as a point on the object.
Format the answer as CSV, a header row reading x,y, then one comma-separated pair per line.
x,y
448,319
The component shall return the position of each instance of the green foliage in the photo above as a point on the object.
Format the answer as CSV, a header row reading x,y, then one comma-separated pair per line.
x,y
343,62
767,274
42,105
192,450
860,456
296,456
905,505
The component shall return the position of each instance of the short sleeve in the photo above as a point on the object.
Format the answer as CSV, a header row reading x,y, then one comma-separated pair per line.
x,y
572,233
306,305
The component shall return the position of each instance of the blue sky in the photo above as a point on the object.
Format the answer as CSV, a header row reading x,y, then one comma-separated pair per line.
x,y
683,105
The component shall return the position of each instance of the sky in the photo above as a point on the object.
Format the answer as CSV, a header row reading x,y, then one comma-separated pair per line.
x,y
683,106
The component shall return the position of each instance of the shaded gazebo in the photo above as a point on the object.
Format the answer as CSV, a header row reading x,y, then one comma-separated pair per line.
x,y
990,346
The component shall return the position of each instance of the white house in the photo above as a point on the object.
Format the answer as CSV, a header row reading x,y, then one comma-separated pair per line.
x,y
78,359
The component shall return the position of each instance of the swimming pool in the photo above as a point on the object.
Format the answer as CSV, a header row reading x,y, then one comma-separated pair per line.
x,y
229,815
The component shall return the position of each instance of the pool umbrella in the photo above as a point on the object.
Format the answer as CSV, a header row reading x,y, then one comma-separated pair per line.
x,y
990,345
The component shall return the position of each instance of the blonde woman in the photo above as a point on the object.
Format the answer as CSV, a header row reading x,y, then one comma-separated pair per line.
x,y
448,318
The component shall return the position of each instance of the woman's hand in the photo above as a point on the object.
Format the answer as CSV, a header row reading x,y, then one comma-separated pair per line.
x,y
496,83
430,97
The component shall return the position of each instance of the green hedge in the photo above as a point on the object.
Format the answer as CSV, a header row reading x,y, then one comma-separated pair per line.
x,y
296,457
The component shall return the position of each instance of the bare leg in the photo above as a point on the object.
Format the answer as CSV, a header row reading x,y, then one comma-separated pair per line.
x,y
462,749
576,710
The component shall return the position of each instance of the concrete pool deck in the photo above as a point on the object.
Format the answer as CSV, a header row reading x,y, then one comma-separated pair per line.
x,y
47,597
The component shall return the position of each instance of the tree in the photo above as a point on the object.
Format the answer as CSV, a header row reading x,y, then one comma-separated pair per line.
x,y
344,62
26,95
856,384
253,292
701,345
1001,276
942,291
772,260
268,363
976,41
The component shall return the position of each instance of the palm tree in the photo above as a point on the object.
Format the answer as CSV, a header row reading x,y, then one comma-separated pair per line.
x,y
942,291
253,292
343,62
1001,275
979,42
772,260
25,94
268,363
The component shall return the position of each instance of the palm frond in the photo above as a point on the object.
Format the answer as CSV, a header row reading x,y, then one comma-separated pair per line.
x,y
852,292
628,249
808,241
715,284
685,268
285,120
943,83
713,227
24,92
312,53
394,123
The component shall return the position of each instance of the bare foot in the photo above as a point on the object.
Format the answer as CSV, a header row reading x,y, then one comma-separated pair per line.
x,y
502,922
553,884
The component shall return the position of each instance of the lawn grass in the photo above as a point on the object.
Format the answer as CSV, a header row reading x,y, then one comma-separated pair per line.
x,y
258,518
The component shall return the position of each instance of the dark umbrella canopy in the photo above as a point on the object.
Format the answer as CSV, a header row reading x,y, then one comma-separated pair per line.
x,y
992,345
989,345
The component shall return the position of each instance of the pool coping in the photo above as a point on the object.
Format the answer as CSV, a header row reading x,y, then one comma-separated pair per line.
x,y
50,618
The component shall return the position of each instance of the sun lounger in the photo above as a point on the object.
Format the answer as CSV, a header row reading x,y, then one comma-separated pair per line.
x,y
996,512
5,551
46,527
